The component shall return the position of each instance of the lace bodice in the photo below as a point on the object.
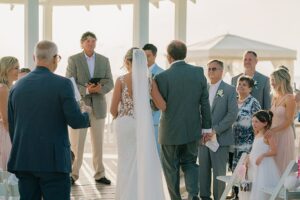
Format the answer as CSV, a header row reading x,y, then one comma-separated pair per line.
x,y
126,104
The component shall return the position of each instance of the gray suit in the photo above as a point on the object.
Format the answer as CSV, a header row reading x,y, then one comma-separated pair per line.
x,y
78,68
261,90
224,112
184,88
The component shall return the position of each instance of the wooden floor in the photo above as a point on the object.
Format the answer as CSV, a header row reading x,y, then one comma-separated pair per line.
x,y
87,189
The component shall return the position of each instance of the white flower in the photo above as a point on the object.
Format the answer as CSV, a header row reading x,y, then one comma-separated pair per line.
x,y
255,84
220,93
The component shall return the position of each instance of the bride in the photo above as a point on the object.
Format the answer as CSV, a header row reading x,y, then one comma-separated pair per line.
x,y
139,173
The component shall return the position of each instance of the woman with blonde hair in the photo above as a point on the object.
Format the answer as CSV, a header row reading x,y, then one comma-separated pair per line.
x,y
9,68
283,107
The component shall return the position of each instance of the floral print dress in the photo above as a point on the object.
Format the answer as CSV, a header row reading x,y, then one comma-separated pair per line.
x,y
242,128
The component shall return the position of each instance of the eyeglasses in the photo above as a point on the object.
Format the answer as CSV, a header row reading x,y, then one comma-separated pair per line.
x,y
212,69
58,57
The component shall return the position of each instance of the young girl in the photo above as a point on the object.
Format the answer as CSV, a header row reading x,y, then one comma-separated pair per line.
x,y
262,165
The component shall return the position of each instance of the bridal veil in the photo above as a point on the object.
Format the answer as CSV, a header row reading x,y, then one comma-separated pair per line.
x,y
149,171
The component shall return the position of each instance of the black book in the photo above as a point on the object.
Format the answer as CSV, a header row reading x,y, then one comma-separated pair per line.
x,y
96,81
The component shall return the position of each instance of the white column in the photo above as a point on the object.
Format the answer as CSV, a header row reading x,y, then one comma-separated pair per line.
x,y
31,30
290,65
276,63
228,67
47,22
140,22
292,71
180,19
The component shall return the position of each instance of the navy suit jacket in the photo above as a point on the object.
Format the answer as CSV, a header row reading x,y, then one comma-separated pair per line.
x,y
40,108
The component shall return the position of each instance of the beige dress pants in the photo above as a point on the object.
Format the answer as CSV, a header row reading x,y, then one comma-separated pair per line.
x,y
77,139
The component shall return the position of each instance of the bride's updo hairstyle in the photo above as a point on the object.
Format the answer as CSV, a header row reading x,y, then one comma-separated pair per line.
x,y
129,54
264,116
128,58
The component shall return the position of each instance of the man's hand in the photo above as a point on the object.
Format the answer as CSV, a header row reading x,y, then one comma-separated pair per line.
x,y
85,108
206,137
213,132
210,135
94,88
203,139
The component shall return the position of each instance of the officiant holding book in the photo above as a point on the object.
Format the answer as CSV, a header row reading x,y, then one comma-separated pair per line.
x,y
93,77
223,103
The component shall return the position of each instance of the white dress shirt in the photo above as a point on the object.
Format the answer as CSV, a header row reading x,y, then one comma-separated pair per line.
x,y
91,63
151,67
212,91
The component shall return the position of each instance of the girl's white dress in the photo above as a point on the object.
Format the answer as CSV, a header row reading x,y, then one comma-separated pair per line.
x,y
265,175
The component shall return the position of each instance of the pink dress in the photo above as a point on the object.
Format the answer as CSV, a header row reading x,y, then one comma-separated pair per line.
x,y
5,144
285,139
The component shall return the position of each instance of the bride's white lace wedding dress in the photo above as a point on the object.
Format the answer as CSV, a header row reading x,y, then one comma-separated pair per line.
x,y
139,175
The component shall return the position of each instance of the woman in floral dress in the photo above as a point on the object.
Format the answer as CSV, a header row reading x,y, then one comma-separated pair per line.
x,y
242,127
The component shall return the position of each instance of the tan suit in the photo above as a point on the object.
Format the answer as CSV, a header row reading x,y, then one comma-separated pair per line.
x,y
78,68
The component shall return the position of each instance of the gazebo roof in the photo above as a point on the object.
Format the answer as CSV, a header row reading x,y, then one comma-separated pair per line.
x,y
233,46
78,2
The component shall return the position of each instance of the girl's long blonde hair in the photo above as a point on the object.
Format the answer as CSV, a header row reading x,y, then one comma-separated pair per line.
x,y
6,64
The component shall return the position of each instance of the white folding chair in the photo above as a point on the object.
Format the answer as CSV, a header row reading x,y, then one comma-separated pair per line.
x,y
7,191
279,191
232,180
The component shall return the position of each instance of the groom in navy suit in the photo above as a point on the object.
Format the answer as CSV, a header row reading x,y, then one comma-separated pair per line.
x,y
40,108
154,69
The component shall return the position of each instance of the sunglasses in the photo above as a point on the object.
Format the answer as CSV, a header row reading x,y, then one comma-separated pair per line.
x,y
212,69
